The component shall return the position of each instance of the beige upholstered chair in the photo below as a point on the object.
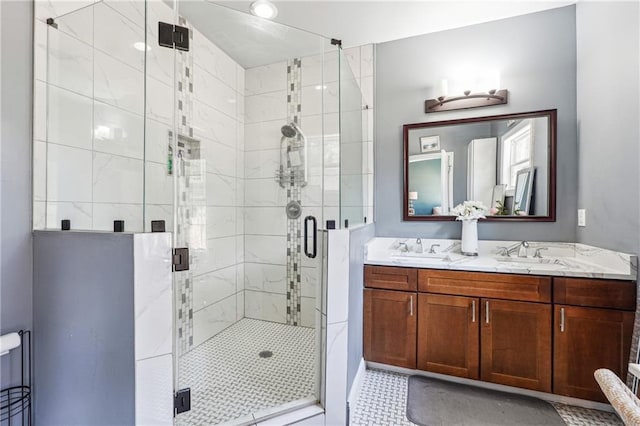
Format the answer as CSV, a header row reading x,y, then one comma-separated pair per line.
x,y
626,404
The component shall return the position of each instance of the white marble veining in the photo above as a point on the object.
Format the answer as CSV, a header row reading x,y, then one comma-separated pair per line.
x,y
219,253
69,118
267,278
105,213
265,220
119,84
319,69
117,179
366,57
69,63
132,9
213,319
266,249
266,78
116,131
213,92
264,193
211,58
68,174
558,259
158,185
118,44
157,106
266,107
266,306
213,287
220,190
78,213
154,391
320,99
221,222
152,294
261,164
263,135
209,123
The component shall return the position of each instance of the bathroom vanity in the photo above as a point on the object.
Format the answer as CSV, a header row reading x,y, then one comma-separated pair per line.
x,y
542,323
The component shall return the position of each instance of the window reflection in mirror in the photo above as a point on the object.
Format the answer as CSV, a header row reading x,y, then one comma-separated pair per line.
x,y
507,162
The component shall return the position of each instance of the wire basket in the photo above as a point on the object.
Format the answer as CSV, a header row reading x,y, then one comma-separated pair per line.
x,y
13,401
16,400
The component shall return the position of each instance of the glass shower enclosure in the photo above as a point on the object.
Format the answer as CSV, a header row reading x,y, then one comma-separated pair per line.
x,y
240,136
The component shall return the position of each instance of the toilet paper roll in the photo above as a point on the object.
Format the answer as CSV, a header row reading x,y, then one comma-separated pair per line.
x,y
8,342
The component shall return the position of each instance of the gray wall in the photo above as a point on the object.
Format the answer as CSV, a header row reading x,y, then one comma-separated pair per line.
x,y
84,328
608,42
536,57
357,239
16,82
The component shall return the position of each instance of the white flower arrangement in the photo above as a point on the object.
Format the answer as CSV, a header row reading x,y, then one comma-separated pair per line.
x,y
470,210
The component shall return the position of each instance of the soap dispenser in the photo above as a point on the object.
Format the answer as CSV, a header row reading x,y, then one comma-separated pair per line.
x,y
418,245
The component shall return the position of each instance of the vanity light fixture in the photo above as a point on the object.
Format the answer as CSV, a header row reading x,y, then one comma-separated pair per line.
x,y
469,100
264,9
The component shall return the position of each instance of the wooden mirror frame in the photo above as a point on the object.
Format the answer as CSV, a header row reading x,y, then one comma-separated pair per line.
x,y
552,148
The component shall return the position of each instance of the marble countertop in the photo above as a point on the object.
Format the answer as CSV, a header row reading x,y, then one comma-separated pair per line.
x,y
558,259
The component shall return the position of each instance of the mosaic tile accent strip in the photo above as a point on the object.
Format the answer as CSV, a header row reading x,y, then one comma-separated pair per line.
x,y
294,193
383,401
188,169
229,379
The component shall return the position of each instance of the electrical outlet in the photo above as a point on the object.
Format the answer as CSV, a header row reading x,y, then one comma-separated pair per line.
x,y
582,217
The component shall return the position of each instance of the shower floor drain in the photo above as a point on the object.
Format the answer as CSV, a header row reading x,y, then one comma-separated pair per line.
x,y
265,354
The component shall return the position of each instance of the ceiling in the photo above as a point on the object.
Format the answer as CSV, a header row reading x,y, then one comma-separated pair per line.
x,y
354,22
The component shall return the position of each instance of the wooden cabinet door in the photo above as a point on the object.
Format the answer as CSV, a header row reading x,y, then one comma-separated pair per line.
x,y
516,344
586,339
390,327
448,335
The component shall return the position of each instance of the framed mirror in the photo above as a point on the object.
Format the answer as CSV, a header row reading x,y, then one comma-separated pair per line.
x,y
508,162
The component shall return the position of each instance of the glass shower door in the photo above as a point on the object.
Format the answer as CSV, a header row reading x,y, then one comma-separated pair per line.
x,y
246,151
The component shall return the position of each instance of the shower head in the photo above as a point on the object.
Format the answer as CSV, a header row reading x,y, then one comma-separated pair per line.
x,y
291,130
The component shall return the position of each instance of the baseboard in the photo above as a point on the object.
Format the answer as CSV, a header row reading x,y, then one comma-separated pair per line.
x,y
542,395
357,384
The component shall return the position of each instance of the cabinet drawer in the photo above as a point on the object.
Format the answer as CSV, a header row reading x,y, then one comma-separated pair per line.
x,y
526,288
390,278
595,293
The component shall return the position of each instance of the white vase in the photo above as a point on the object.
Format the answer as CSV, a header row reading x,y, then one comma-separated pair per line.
x,y
469,237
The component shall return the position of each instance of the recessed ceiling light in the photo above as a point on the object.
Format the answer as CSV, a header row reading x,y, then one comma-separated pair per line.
x,y
141,46
264,9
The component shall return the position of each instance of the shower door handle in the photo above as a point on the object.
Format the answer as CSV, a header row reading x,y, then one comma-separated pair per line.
x,y
313,254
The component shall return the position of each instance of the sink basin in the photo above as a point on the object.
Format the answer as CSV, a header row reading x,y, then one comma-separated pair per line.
x,y
530,260
544,263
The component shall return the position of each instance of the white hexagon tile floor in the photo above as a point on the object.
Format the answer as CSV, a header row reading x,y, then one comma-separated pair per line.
x,y
229,379
383,399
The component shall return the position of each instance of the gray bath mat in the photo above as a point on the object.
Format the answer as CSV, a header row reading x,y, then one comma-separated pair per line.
x,y
432,402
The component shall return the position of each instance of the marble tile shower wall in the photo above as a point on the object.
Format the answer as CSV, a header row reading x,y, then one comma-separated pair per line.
x,y
361,60
91,160
265,218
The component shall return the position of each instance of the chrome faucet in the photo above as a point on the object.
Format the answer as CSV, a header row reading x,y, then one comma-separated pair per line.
x,y
522,250
418,248
538,250
403,247
431,250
